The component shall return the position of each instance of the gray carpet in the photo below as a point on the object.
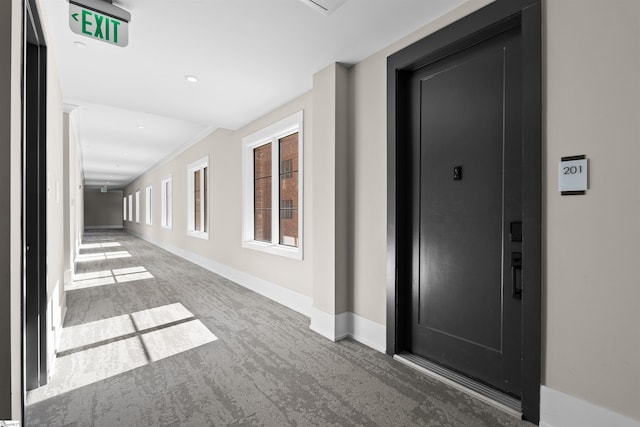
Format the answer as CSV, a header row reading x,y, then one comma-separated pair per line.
x,y
153,340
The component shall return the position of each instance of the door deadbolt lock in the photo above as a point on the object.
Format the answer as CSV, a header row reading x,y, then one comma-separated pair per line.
x,y
457,173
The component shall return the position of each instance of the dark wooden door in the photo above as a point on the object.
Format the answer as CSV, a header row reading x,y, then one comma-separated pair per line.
x,y
466,133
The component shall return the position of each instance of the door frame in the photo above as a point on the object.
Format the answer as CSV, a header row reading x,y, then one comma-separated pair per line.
x,y
480,25
34,202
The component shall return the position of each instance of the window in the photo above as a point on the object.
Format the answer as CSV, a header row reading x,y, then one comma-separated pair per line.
x,y
197,198
148,205
130,208
124,208
138,206
166,202
272,188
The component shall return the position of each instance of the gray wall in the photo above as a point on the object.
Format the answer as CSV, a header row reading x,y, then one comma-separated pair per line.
x,y
103,210
5,210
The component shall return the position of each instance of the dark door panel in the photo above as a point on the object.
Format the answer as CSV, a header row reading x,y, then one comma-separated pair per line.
x,y
468,185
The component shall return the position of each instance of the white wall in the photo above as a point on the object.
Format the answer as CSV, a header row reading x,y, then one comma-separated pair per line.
x,y
76,189
592,298
330,100
224,246
55,210
73,196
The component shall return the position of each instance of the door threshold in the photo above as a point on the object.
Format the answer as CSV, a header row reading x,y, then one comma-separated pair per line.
x,y
466,385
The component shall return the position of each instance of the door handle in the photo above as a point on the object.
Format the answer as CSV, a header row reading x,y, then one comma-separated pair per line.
x,y
516,264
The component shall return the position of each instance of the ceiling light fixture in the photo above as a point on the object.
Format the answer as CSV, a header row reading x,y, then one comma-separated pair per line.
x,y
80,45
326,7
191,79
140,127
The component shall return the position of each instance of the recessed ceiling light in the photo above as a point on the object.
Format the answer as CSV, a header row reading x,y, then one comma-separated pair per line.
x,y
140,127
80,45
191,79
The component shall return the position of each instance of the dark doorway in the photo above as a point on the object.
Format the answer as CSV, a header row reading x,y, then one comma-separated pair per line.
x,y
464,203
34,199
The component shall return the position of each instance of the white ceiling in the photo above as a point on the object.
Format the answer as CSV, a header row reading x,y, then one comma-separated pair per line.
x,y
250,57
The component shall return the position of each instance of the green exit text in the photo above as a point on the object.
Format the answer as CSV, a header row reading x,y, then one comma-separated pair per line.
x,y
99,26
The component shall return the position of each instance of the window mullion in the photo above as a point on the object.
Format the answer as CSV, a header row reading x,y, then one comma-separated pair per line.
x,y
169,203
251,190
202,200
275,192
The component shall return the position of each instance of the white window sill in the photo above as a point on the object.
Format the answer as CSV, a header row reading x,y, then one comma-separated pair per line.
x,y
285,251
198,234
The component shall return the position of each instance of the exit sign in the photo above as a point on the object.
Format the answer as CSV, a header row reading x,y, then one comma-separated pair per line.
x,y
106,27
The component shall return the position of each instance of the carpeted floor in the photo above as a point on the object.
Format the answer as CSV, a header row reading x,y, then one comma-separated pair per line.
x,y
153,340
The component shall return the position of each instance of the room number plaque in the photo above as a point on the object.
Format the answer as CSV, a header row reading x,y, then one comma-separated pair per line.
x,y
573,175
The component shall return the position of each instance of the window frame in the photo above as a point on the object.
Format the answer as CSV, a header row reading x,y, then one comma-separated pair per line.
x,y
124,208
138,206
192,168
166,205
148,193
272,134
130,207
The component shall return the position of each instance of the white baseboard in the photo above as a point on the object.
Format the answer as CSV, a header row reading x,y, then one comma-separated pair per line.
x,y
348,324
330,326
369,333
333,327
558,409
291,299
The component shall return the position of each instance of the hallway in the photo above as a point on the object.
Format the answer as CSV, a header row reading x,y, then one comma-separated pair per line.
x,y
151,339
